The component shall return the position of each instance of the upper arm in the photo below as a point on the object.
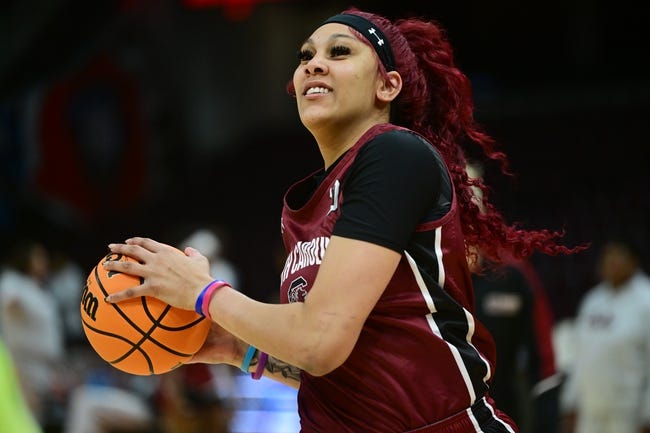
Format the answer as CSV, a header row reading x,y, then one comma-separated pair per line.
x,y
351,279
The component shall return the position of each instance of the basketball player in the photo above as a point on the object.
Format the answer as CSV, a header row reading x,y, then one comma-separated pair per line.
x,y
375,328
608,383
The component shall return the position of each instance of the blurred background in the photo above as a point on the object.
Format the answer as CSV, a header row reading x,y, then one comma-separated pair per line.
x,y
123,118
154,118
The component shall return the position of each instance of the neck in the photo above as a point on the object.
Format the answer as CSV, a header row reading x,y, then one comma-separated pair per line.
x,y
618,283
335,141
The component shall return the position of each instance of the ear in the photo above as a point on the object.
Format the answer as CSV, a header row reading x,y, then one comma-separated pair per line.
x,y
390,87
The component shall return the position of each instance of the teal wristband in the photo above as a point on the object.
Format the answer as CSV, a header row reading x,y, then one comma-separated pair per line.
x,y
246,363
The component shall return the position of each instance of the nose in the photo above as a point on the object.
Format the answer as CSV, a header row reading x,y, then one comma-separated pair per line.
x,y
315,66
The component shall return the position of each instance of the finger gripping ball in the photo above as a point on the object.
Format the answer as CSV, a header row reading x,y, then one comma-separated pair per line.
x,y
142,336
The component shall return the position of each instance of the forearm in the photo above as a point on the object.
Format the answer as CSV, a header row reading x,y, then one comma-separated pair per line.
x,y
284,331
278,370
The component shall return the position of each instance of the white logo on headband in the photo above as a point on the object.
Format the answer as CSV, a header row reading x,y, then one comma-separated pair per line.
x,y
372,31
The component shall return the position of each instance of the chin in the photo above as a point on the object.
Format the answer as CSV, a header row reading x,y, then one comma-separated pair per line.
x,y
316,121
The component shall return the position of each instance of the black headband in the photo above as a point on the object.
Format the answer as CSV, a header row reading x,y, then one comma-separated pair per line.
x,y
371,32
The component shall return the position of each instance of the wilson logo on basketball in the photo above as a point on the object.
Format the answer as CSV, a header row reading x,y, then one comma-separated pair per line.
x,y
89,303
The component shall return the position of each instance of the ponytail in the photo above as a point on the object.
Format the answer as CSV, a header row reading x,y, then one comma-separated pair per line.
x,y
436,101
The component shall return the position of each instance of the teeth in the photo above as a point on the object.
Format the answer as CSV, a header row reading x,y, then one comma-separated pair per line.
x,y
313,90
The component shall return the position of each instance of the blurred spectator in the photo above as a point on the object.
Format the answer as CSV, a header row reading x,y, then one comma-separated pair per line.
x,y
15,415
64,388
66,281
512,303
608,385
188,401
32,330
110,402
104,399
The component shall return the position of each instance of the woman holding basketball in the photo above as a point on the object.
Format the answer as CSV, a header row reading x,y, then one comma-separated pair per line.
x,y
375,327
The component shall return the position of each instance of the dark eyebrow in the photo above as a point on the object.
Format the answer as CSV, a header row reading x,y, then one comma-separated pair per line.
x,y
332,37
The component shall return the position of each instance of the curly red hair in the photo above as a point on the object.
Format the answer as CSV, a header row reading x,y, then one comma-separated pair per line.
x,y
436,101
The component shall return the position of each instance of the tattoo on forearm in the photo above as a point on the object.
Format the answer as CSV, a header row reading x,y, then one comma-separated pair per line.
x,y
274,365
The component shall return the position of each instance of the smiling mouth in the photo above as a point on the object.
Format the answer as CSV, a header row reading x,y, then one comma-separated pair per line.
x,y
317,91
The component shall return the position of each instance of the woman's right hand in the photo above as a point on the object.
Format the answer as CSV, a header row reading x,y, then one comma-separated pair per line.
x,y
173,276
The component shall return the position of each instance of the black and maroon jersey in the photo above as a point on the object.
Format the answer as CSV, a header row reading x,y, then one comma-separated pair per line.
x,y
421,357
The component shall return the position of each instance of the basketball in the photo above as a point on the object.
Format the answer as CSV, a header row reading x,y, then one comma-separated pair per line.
x,y
142,336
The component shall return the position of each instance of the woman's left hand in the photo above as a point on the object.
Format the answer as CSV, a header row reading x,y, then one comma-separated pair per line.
x,y
168,274
220,347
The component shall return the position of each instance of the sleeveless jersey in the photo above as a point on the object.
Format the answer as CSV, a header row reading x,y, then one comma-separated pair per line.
x,y
420,357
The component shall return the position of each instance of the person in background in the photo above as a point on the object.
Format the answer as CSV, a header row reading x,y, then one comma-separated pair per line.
x,y
32,330
15,414
110,401
64,390
512,303
375,325
187,400
66,280
608,385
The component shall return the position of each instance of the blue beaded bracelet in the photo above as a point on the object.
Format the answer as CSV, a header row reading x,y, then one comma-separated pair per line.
x,y
246,363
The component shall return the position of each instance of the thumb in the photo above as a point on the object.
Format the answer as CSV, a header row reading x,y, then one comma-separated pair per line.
x,y
195,254
191,252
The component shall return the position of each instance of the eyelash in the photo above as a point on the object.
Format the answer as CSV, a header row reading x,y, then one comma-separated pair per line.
x,y
305,55
339,50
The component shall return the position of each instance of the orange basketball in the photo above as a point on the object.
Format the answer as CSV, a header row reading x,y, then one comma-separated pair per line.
x,y
142,336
